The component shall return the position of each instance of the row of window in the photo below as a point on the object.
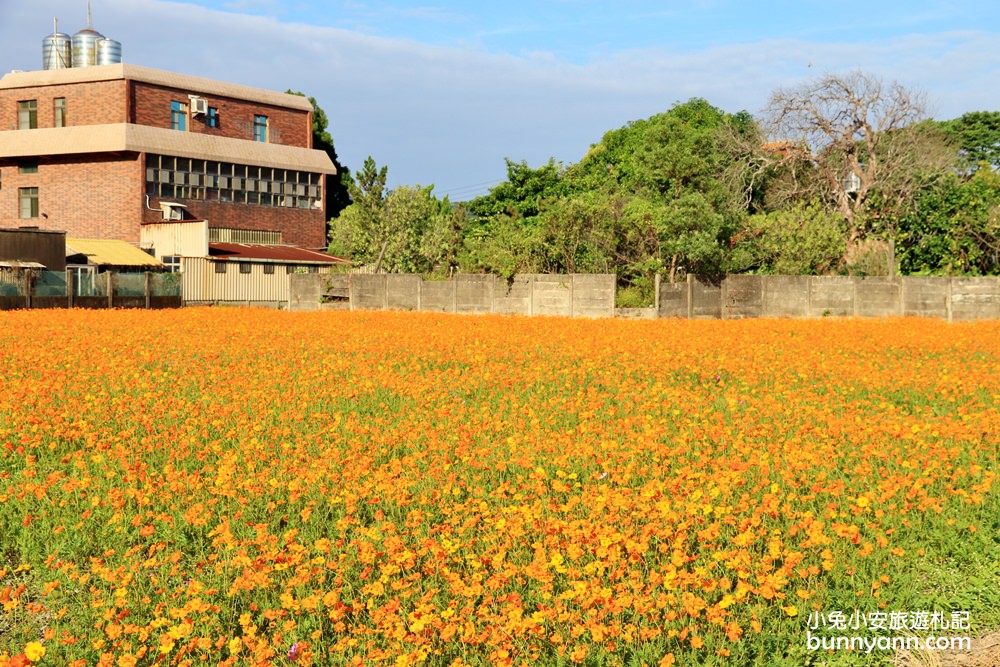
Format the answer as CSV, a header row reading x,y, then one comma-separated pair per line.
x,y
245,267
208,180
27,113
179,117
27,117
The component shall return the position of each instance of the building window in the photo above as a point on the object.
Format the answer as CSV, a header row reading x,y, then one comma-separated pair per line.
x,y
29,202
178,116
220,267
244,267
212,120
28,167
59,111
260,128
268,269
173,263
27,115
208,180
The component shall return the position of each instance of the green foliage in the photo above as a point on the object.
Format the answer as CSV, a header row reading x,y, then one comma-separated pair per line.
x,y
804,240
406,229
954,229
978,135
651,197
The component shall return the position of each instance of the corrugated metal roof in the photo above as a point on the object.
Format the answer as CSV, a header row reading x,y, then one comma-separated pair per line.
x,y
107,252
126,137
125,71
270,253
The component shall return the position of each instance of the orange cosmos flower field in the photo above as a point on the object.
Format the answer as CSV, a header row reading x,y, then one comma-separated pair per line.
x,y
248,487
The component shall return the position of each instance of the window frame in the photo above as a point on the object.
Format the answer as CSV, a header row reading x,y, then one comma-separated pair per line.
x,y
178,116
27,114
59,112
30,196
261,128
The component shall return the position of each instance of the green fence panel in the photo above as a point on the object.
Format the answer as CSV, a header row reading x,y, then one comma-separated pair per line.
x,y
130,284
165,284
49,283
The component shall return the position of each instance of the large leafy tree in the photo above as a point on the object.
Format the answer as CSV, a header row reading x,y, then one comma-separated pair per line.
x,y
954,228
857,143
405,229
651,197
978,136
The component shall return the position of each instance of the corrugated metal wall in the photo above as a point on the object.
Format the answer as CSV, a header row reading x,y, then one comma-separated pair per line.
x,y
201,282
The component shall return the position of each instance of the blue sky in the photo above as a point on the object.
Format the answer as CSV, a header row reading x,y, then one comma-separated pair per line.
x,y
442,91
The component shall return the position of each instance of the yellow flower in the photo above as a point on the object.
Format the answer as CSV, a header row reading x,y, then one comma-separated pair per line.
x,y
34,651
234,645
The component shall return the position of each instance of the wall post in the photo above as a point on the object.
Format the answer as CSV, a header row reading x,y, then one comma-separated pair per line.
x,y
70,288
690,292
111,288
147,288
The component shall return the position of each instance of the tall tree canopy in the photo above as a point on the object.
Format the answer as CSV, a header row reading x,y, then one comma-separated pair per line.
x,y
405,229
978,136
650,197
854,141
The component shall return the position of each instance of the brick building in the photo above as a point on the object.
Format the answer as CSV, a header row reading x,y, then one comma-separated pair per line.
x,y
99,151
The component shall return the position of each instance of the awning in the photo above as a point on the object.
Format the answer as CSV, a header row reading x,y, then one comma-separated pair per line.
x,y
14,264
101,252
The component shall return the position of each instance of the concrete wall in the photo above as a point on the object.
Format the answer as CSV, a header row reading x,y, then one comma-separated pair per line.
x,y
573,295
740,296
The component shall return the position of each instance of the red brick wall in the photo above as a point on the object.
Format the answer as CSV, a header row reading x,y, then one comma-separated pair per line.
x,y
151,106
94,103
99,198
299,226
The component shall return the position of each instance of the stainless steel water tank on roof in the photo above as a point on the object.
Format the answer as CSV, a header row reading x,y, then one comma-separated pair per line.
x,y
85,47
57,51
109,52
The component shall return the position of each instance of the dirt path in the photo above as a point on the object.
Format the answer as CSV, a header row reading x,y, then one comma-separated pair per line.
x,y
985,653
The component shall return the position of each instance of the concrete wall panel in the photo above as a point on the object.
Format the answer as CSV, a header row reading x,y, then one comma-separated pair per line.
x,y
831,295
878,297
786,296
926,297
744,297
975,298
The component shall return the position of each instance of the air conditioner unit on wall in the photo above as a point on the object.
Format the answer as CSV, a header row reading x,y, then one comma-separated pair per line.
x,y
199,106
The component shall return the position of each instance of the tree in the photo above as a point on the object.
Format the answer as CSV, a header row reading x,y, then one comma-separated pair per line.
x,y
337,196
360,229
978,136
806,239
852,141
405,229
954,229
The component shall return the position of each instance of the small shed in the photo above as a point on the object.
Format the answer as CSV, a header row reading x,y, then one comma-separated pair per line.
x,y
34,248
106,255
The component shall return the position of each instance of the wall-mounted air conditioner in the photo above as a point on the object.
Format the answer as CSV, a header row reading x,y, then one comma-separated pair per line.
x,y
199,106
172,210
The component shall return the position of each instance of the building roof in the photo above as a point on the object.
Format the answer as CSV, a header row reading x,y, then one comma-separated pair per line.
x,y
124,71
107,252
284,254
126,137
